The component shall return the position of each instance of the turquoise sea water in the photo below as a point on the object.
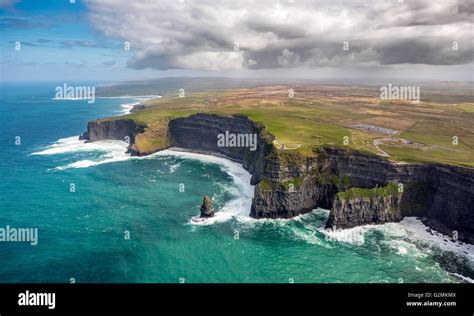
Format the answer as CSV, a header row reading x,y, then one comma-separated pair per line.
x,y
81,233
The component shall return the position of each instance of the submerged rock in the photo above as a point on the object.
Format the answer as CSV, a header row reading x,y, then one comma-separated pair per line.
x,y
206,207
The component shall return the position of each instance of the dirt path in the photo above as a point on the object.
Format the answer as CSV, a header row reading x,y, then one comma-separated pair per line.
x,y
283,147
380,141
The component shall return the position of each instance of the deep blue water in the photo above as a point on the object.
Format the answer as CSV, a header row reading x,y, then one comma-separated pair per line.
x,y
82,233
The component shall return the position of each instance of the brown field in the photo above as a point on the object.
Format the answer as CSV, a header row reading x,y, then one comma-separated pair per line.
x,y
319,115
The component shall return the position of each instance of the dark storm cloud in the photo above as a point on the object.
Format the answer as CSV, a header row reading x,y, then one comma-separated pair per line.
x,y
280,30
429,49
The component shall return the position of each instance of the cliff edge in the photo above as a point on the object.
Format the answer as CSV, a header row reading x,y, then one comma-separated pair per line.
x,y
359,188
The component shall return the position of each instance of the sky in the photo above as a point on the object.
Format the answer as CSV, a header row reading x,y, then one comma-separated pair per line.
x,y
117,40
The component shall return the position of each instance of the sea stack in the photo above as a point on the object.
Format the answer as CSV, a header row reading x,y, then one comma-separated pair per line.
x,y
206,207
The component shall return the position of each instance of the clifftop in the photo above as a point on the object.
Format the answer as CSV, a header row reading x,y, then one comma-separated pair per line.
x,y
307,116
359,187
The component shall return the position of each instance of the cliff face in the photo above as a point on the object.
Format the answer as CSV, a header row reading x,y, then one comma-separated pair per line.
x,y
119,129
453,202
348,213
286,203
289,187
443,196
200,133
289,183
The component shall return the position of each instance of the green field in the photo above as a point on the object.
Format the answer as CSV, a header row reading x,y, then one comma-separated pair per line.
x,y
319,116
389,190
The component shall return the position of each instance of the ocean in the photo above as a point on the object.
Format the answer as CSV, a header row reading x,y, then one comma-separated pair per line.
x,y
103,216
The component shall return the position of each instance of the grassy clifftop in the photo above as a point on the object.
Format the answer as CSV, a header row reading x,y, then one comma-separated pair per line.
x,y
351,117
388,190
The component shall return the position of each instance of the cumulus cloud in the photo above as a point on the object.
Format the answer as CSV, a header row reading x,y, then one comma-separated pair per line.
x,y
232,35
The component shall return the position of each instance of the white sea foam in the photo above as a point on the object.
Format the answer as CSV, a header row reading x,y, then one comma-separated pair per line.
x,y
73,144
127,107
463,278
173,166
112,156
405,236
309,235
353,236
402,237
417,230
113,151
410,237
239,206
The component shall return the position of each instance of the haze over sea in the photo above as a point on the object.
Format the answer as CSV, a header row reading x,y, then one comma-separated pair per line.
x,y
81,234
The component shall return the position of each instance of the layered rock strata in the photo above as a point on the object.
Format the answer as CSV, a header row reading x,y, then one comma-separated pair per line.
x,y
291,182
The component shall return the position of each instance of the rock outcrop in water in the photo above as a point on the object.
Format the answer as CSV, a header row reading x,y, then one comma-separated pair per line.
x,y
365,206
289,183
206,207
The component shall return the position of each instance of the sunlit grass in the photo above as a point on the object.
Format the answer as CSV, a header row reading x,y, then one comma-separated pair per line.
x,y
308,123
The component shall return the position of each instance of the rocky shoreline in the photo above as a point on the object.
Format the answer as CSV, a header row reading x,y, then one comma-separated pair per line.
x,y
359,188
